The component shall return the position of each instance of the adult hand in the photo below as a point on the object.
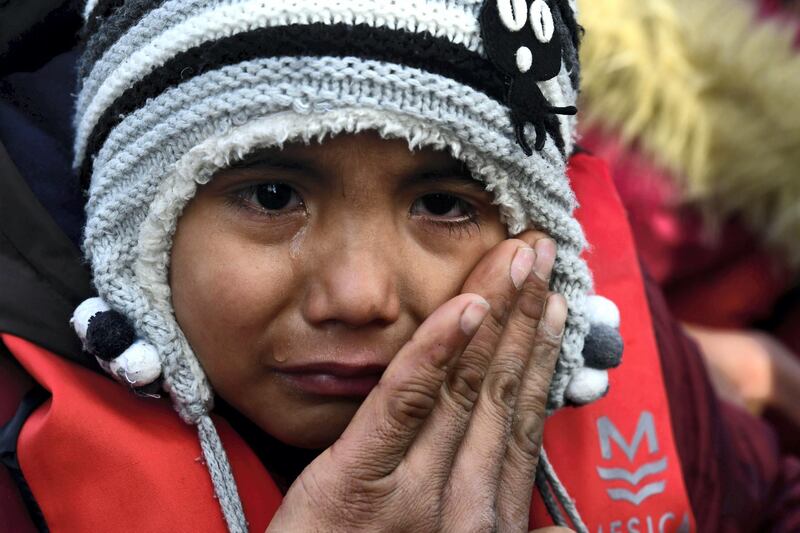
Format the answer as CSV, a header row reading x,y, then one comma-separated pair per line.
x,y
751,369
449,439
739,366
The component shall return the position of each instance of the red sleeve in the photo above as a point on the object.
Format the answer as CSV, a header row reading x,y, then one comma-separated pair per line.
x,y
735,475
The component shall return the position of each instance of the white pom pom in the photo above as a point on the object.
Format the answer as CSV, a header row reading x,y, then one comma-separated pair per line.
x,y
103,364
587,385
86,310
524,59
601,310
137,366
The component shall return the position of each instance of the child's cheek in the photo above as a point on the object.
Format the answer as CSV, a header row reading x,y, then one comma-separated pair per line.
x,y
245,283
226,290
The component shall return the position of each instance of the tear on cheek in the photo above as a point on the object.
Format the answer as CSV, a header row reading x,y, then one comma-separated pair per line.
x,y
296,243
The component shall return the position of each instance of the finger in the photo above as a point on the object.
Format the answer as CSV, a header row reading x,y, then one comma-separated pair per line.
x,y
377,438
522,454
531,236
482,453
435,448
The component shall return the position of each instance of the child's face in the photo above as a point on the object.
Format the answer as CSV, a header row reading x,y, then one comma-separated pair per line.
x,y
329,255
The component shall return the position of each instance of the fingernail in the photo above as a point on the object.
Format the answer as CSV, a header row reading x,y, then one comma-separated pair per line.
x,y
521,265
555,314
545,257
473,316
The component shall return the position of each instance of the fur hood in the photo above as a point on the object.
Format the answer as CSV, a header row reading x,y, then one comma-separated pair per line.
x,y
716,102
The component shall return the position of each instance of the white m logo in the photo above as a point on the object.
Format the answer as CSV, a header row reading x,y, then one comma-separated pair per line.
x,y
608,431
645,428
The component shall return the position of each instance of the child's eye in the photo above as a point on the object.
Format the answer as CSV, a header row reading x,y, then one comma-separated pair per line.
x,y
446,212
276,196
270,198
441,205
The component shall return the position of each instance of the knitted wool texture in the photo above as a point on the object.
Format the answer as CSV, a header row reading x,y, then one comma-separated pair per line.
x,y
716,102
172,91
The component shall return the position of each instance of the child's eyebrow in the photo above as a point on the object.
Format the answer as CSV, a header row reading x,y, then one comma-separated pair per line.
x,y
457,175
271,160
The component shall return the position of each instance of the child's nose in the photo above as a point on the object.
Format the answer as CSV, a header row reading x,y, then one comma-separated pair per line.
x,y
355,285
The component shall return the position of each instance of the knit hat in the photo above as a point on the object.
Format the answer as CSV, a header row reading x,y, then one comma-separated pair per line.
x,y
171,91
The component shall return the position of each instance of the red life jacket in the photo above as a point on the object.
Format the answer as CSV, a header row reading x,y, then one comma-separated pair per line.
x,y
98,458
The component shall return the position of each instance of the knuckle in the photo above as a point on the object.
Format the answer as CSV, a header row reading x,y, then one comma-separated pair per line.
x,y
410,402
533,398
515,242
485,342
531,299
530,236
464,385
548,340
500,307
528,433
503,385
481,349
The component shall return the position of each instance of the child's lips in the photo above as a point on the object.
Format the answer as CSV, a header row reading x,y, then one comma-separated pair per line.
x,y
333,379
